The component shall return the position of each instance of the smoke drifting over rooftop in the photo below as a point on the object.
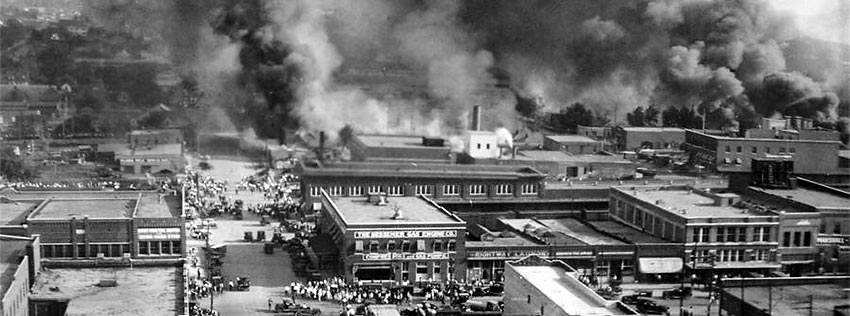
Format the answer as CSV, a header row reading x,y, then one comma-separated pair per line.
x,y
277,64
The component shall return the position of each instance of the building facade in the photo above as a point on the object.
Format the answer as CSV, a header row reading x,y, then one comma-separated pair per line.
x,y
572,144
394,240
441,182
637,138
399,148
21,263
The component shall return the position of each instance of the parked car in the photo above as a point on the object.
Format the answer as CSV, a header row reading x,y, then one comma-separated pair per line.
x,y
630,299
646,306
679,292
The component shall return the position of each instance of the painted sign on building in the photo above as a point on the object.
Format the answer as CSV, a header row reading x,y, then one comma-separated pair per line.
x,y
405,256
159,233
406,234
502,254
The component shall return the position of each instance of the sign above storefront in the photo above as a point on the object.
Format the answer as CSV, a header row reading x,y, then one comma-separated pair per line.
x,y
406,234
405,256
660,265
505,254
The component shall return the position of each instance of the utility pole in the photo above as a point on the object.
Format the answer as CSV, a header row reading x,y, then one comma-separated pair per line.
x,y
209,267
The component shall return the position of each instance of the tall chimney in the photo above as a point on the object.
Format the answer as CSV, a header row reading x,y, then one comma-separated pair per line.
x,y
476,118
321,151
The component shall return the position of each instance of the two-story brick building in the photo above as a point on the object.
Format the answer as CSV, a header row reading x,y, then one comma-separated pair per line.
x,y
396,239
441,182
89,225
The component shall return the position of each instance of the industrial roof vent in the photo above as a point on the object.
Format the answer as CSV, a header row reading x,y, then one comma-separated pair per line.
x,y
377,199
397,215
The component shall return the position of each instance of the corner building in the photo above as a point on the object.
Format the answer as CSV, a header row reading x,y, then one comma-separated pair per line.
x,y
400,240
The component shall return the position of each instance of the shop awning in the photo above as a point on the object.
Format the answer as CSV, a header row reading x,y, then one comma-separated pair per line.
x,y
786,262
660,265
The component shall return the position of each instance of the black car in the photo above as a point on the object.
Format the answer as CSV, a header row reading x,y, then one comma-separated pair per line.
x,y
645,306
679,292
630,299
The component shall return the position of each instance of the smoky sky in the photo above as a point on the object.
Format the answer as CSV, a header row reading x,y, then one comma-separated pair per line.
x,y
322,64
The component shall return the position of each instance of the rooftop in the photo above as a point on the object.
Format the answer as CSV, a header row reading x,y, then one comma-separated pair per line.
x,y
415,211
815,198
794,299
396,141
153,150
15,213
571,139
615,228
93,208
720,137
170,131
11,249
652,129
684,202
373,169
546,155
150,206
139,291
564,290
576,229
535,228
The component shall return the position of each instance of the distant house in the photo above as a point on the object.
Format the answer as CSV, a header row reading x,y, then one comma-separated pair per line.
x,y
23,106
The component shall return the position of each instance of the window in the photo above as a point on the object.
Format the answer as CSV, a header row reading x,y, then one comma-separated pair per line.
x,y
375,189
529,189
438,245
807,239
742,234
405,271
504,189
423,190
358,246
767,150
373,246
760,255
315,190
728,149
792,151
761,234
488,146
755,150
451,190
700,234
355,191
479,145
451,245
721,234
144,248
437,270
405,246
336,190
738,149
837,228
786,239
420,245
730,234
391,246
797,239
477,189
176,247
781,150
395,190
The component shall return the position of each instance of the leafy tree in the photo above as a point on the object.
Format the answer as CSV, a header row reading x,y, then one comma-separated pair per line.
x,y
12,32
636,118
651,115
681,117
54,62
15,168
577,114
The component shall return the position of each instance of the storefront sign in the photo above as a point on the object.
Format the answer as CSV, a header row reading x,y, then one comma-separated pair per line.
x,y
571,254
405,256
406,234
510,254
159,233
660,265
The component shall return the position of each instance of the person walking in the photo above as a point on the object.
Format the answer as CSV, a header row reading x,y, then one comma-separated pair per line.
x,y
270,303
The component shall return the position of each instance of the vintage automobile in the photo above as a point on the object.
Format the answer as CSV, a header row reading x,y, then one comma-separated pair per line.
x,y
647,306
288,307
679,292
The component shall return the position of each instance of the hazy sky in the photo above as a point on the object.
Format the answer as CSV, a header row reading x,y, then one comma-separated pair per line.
x,y
823,19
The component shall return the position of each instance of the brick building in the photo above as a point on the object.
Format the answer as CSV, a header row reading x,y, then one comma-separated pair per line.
x,y
637,138
89,225
20,263
573,144
399,148
441,182
400,240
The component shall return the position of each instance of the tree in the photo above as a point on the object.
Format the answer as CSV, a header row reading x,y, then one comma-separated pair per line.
x,y
54,62
15,168
681,117
637,118
574,115
651,115
12,32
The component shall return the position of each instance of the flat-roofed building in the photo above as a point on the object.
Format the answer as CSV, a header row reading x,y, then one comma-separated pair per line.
x,y
145,137
572,144
396,239
629,138
536,286
20,263
165,159
785,296
716,230
560,165
399,148
105,225
441,182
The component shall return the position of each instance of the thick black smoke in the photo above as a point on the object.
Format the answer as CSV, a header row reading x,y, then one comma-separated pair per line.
x,y
276,64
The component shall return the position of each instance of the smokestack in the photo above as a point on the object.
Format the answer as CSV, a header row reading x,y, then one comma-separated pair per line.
x,y
321,151
476,118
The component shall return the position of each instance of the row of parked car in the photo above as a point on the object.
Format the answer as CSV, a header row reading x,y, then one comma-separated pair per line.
x,y
645,305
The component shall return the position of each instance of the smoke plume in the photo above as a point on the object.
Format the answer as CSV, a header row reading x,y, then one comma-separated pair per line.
x,y
418,66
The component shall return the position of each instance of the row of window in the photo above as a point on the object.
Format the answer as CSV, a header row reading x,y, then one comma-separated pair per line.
x,y
732,255
160,248
67,251
422,273
731,234
797,239
398,190
767,150
375,246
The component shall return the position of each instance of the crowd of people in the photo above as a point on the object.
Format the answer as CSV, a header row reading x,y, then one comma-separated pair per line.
x,y
125,185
